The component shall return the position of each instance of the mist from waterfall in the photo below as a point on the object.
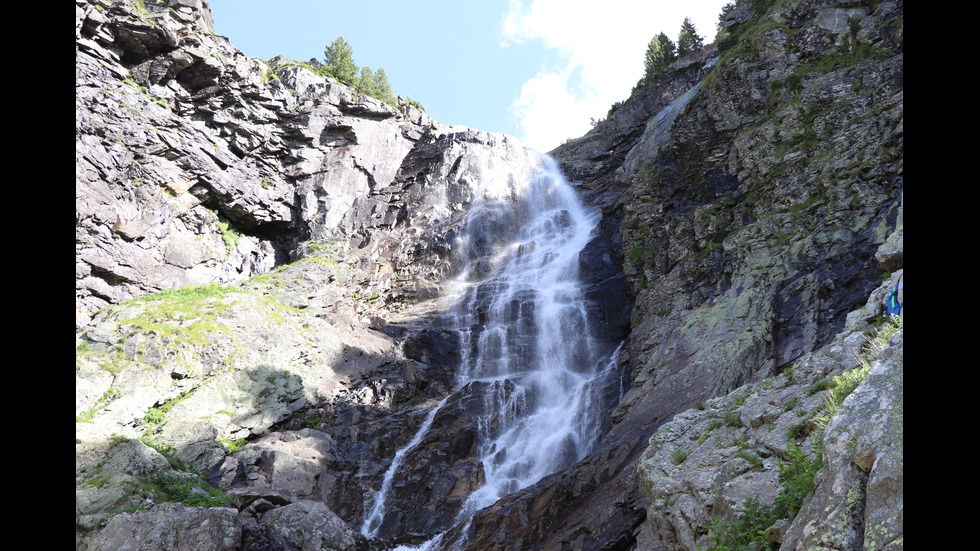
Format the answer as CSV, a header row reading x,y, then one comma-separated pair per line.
x,y
519,308
523,323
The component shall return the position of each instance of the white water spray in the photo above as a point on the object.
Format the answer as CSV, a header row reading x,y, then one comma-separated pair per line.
x,y
525,335
524,327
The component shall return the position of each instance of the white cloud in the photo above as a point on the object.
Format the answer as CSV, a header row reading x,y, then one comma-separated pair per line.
x,y
600,47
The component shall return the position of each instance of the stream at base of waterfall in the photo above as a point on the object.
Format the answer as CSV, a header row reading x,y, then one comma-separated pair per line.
x,y
524,330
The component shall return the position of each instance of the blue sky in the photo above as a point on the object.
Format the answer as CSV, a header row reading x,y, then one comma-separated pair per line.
x,y
538,70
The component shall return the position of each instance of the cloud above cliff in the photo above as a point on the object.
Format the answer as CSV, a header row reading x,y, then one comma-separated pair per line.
x,y
535,69
598,52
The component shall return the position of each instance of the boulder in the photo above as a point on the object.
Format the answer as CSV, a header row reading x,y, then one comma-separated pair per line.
x,y
172,527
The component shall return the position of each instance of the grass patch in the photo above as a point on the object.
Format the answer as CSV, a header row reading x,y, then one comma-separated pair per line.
x,y
752,458
184,315
818,386
186,488
107,398
678,455
146,93
157,414
229,235
233,445
733,420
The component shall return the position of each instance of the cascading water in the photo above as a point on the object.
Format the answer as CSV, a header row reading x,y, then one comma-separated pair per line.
x,y
524,329
373,520
525,336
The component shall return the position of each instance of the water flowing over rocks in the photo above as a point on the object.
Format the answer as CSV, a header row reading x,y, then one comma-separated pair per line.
x,y
266,263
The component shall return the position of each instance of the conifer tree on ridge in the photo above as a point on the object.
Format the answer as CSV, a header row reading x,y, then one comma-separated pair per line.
x,y
688,41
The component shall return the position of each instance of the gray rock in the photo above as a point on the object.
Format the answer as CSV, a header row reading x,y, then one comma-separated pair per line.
x,y
109,474
715,478
307,526
859,500
172,527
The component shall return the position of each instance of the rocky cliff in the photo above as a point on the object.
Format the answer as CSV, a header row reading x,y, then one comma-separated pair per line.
x,y
260,254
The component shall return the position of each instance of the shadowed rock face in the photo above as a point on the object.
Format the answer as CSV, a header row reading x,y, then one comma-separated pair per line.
x,y
746,197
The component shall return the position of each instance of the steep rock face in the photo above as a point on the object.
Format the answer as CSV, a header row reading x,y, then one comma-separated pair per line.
x,y
755,185
780,241
196,164
333,215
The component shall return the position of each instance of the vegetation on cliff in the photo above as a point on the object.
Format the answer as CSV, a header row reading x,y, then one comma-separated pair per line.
x,y
797,472
662,51
338,62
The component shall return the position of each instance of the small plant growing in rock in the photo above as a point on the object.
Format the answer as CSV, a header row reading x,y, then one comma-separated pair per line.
x,y
140,9
711,428
799,430
229,235
233,445
752,458
733,420
678,455
818,386
846,382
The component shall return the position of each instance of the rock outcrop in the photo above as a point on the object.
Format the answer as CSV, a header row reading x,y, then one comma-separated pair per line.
x,y
257,251
260,254
196,164
704,465
754,186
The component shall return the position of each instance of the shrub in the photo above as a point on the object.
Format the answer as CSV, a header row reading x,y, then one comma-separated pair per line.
x,y
796,473
745,531
748,529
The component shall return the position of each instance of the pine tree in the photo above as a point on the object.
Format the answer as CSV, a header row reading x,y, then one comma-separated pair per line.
x,y
382,89
661,52
339,61
724,39
688,41
365,82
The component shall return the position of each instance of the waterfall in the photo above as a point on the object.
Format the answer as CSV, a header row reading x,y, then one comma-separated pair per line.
x,y
524,327
373,520
525,334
